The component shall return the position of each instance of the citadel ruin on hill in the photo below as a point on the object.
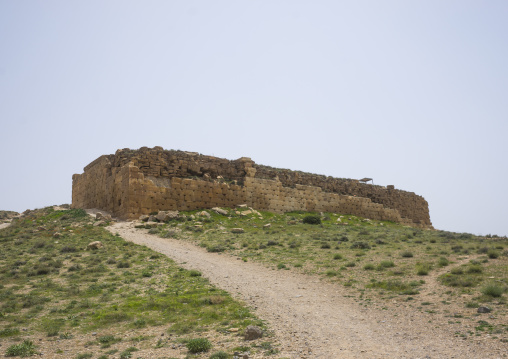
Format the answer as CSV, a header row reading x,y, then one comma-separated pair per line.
x,y
131,183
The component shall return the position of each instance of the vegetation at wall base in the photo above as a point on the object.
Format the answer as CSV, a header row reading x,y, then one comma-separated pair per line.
x,y
122,298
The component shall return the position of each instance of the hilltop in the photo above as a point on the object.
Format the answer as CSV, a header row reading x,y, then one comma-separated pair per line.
x,y
317,284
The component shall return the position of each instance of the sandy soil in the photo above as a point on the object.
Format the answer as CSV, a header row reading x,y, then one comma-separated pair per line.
x,y
314,318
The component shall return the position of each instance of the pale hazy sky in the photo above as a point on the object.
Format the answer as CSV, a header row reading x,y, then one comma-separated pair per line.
x,y
410,93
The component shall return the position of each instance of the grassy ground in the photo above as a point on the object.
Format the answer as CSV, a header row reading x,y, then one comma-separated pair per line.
x,y
109,302
452,273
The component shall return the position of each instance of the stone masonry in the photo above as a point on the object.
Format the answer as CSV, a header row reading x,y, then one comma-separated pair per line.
x,y
131,183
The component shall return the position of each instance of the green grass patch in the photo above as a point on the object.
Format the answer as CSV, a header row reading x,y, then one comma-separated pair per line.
x,y
55,287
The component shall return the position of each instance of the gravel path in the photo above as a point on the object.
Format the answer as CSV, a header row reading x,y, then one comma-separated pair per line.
x,y
314,319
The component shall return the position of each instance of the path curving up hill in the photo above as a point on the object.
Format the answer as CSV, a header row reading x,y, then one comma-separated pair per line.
x,y
314,319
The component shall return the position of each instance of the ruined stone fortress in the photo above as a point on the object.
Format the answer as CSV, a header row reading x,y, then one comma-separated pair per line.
x,y
131,183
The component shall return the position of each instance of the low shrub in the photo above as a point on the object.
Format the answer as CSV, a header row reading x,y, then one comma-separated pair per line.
x,y
475,268
215,248
459,280
360,245
493,290
312,219
386,264
199,345
443,262
195,273
493,254
25,349
423,268
219,355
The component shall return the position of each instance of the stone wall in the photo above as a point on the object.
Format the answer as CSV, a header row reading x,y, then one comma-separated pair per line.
x,y
135,182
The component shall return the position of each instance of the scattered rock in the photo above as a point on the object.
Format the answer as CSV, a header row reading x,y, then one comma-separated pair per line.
x,y
151,224
484,310
99,223
242,206
268,225
204,214
220,211
233,330
165,216
57,235
292,222
99,215
41,228
144,218
95,245
152,218
253,332
237,230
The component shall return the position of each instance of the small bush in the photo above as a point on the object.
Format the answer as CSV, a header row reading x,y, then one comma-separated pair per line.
x,y
325,246
475,268
199,345
493,254
219,355
123,264
423,268
483,250
406,254
443,262
457,271
25,349
195,273
337,256
493,290
459,280
216,248
68,249
169,234
369,266
386,264
312,219
127,353
360,245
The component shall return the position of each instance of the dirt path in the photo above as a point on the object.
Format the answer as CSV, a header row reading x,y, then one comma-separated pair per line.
x,y
314,319
4,225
